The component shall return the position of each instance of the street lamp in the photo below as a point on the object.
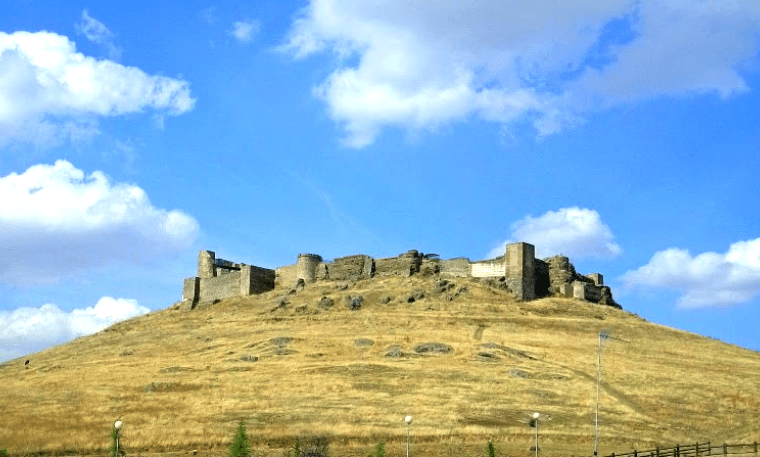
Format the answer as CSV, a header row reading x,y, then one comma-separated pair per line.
x,y
408,420
603,335
117,426
536,416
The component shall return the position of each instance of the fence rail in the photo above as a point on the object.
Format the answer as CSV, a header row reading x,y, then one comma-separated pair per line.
x,y
694,450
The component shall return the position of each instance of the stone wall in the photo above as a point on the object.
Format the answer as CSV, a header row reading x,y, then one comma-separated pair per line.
x,y
561,271
191,290
430,266
405,264
458,267
220,287
543,281
256,280
526,276
487,268
286,276
349,268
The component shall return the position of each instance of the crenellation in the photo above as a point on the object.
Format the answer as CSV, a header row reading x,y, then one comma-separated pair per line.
x,y
520,271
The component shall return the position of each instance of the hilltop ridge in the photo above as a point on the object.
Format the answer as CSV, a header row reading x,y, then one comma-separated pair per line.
x,y
350,359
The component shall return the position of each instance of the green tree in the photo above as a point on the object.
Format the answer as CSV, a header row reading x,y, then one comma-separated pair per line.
x,y
240,446
491,451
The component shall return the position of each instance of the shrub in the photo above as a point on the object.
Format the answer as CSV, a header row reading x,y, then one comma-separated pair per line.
x,y
490,449
379,450
112,452
4,452
239,447
297,448
315,446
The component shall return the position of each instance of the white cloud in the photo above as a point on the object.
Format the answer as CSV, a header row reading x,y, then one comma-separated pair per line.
x,y
420,65
706,280
244,31
97,32
55,222
28,330
49,91
574,232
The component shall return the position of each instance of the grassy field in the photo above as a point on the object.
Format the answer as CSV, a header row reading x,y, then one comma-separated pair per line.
x,y
181,379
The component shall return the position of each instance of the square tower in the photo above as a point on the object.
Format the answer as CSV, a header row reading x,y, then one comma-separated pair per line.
x,y
520,265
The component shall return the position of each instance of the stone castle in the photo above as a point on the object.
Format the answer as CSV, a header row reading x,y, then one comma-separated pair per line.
x,y
525,276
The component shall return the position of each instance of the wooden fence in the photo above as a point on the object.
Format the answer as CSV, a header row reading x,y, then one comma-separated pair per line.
x,y
694,450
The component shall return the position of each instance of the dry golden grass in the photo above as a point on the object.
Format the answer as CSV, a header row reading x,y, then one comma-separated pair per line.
x,y
660,386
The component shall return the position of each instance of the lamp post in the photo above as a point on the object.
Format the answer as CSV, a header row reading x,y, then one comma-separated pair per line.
x,y
408,420
536,416
117,426
603,335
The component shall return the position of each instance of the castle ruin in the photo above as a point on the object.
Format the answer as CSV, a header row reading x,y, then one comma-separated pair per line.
x,y
525,276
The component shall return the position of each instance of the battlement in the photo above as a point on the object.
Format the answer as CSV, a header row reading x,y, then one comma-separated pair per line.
x,y
525,276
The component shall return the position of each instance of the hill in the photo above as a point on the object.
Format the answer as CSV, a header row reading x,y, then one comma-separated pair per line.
x,y
461,356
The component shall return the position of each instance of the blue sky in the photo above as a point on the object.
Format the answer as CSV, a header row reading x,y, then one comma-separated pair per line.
x,y
621,133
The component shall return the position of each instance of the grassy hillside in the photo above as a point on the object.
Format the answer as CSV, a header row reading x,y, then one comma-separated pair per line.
x,y
181,379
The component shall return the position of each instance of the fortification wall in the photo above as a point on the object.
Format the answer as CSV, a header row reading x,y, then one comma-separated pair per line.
x,y
486,268
541,272
191,289
458,267
220,287
526,276
430,266
286,276
256,280
405,264
350,268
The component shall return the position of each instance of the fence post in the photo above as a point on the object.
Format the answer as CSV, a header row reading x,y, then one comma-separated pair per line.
x,y
725,449
678,450
657,451
696,449
755,447
635,453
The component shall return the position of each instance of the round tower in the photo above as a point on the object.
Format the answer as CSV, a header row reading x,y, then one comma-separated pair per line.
x,y
307,267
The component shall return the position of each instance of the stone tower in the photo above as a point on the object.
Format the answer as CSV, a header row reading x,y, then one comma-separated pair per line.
x,y
306,267
520,268
206,264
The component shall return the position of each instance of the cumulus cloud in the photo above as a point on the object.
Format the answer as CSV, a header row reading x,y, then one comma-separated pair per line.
x,y
49,91
245,31
27,330
709,279
55,222
574,232
97,32
420,65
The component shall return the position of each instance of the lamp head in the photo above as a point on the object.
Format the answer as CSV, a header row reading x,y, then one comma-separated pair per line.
x,y
117,425
536,416
408,420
